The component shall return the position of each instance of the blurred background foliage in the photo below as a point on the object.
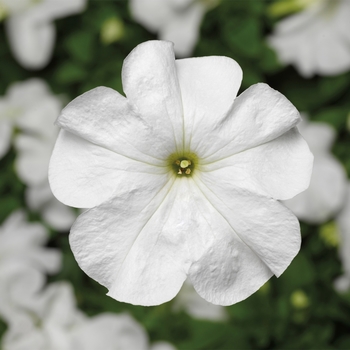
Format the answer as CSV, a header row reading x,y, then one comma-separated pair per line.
x,y
301,309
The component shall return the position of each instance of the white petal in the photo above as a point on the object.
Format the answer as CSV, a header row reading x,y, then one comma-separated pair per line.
x,y
268,228
280,168
28,93
259,115
109,331
106,118
319,136
150,82
183,29
227,270
209,86
31,42
189,301
83,175
57,215
5,136
140,244
162,345
326,192
22,241
59,305
31,33
50,10
152,14
32,160
343,222
315,40
19,286
38,117
127,253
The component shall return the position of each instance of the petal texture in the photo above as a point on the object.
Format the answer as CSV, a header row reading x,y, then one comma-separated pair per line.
x,y
325,195
259,115
280,168
150,83
106,118
256,237
140,244
83,174
209,86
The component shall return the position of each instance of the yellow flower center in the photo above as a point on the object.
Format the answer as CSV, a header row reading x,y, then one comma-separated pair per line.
x,y
182,165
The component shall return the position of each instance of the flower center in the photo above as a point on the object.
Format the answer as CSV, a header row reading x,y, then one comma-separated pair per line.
x,y
182,165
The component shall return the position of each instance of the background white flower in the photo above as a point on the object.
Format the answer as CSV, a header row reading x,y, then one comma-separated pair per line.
x,y
174,20
342,283
218,222
189,301
23,262
30,30
30,107
54,323
316,40
21,241
326,193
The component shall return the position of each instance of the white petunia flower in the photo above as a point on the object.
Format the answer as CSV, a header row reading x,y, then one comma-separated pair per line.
x,y
17,100
30,30
22,242
32,109
326,193
56,324
316,40
23,260
175,20
189,301
342,283
183,179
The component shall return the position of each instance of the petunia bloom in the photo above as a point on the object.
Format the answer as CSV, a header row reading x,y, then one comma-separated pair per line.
x,y
326,193
23,262
342,283
31,108
22,242
174,20
183,179
189,301
54,323
30,30
315,40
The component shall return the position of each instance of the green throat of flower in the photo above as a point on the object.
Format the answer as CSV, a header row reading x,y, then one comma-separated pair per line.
x,y
183,165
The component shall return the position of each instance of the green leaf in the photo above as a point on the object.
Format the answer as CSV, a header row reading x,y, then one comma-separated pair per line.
x,y
80,46
70,73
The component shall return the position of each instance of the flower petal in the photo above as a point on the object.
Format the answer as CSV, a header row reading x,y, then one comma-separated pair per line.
x,y
318,135
150,83
143,249
50,10
5,136
57,215
183,28
152,14
32,160
280,168
31,42
83,175
326,192
259,115
31,33
106,118
109,331
209,86
268,228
